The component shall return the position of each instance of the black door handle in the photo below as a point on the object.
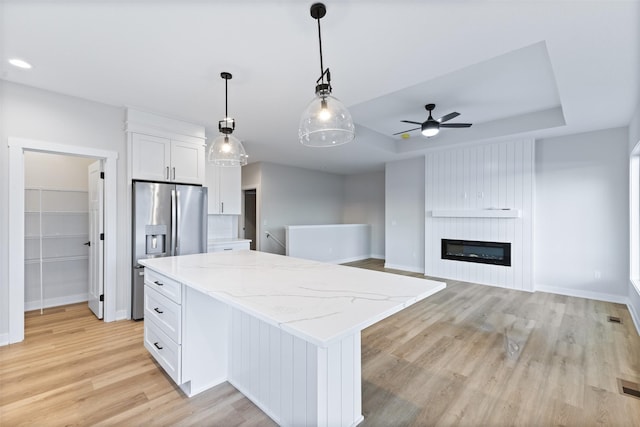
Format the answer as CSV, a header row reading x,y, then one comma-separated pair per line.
x,y
88,243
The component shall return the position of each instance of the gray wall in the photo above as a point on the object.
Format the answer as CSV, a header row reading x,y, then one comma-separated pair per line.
x,y
582,214
404,214
365,204
292,196
295,196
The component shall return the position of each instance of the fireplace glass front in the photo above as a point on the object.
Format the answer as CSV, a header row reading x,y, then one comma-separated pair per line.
x,y
475,251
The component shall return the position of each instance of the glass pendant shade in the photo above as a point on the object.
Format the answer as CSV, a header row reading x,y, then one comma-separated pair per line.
x,y
325,122
227,150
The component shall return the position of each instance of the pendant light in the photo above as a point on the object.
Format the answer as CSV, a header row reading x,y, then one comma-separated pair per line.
x,y
325,122
226,149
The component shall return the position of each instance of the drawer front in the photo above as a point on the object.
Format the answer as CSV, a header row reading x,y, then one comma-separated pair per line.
x,y
166,352
165,313
161,283
236,246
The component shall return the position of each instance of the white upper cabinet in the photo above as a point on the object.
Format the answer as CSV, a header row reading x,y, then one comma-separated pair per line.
x,y
187,162
225,192
162,159
165,150
151,157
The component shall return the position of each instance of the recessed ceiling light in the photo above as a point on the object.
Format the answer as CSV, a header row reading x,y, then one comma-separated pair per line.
x,y
16,62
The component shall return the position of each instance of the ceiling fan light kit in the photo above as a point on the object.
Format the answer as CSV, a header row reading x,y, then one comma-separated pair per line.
x,y
430,128
325,122
226,150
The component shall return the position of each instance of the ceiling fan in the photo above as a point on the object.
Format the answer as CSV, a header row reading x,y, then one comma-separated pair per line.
x,y
432,126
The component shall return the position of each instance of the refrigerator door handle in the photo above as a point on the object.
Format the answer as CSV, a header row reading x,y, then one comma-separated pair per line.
x,y
174,223
177,252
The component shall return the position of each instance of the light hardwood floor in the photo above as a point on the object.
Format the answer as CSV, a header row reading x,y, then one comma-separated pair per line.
x,y
470,355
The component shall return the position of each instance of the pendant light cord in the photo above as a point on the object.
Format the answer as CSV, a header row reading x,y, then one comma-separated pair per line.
x,y
320,44
226,101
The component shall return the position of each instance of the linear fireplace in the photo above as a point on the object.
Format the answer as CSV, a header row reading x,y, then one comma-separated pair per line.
x,y
495,253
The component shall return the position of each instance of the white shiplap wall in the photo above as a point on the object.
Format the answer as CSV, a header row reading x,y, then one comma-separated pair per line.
x,y
498,175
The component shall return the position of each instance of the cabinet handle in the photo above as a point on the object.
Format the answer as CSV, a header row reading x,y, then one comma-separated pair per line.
x,y
158,283
157,346
158,311
227,249
222,203
174,173
167,172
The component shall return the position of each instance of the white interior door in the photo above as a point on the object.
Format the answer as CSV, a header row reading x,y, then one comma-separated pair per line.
x,y
96,239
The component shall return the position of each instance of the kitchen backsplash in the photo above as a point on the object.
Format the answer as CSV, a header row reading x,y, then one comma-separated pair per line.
x,y
222,226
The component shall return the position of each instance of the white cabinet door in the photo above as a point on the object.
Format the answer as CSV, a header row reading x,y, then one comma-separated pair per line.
x,y
229,246
151,158
229,192
224,185
187,162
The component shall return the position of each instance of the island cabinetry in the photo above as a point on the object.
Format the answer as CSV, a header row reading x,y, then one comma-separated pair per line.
x,y
162,159
225,192
283,331
163,322
186,332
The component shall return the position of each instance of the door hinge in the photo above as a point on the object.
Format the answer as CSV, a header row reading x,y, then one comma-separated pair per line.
x,y
101,236
102,175
102,298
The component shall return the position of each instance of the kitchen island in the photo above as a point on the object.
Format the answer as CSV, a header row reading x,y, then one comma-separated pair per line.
x,y
284,331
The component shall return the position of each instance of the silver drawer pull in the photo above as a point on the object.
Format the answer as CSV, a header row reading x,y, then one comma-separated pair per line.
x,y
158,311
159,283
227,249
157,346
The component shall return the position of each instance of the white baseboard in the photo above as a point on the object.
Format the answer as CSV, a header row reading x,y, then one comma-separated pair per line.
x,y
376,256
55,302
635,317
122,315
599,296
4,339
633,308
346,260
411,268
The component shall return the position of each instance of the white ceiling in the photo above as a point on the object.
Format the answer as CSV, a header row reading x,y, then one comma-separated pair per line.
x,y
528,68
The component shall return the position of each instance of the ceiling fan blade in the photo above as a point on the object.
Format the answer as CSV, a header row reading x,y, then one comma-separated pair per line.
x,y
448,117
413,123
405,131
455,125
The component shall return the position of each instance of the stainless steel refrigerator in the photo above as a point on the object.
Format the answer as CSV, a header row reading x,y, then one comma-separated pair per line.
x,y
168,220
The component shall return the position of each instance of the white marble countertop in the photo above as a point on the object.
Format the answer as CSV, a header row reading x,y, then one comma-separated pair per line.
x,y
314,301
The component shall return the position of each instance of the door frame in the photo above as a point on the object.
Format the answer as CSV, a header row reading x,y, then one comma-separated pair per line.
x,y
242,214
243,225
17,147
